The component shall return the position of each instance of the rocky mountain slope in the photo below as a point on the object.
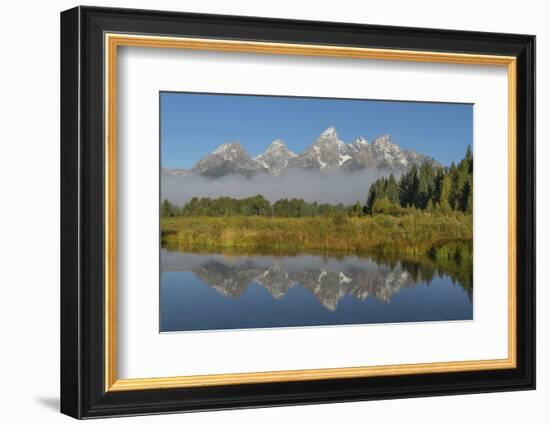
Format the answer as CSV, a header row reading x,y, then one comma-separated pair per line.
x,y
229,158
325,153
276,157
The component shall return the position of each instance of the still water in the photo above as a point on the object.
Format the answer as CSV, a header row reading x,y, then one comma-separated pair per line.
x,y
216,291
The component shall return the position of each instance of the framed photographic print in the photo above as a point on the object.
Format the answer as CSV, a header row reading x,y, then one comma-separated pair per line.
x,y
261,212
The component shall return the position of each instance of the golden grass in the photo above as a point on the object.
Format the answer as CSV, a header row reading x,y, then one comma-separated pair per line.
x,y
415,234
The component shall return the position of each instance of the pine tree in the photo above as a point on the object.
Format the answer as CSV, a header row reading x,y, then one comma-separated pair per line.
x,y
468,195
444,202
167,209
426,185
392,190
408,185
376,191
468,156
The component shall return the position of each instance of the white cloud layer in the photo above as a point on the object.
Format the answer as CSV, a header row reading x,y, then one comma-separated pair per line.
x,y
331,186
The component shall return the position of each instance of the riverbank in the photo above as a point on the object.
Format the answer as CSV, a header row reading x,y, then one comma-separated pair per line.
x,y
437,235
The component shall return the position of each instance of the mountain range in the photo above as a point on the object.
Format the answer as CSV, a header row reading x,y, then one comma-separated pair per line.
x,y
325,153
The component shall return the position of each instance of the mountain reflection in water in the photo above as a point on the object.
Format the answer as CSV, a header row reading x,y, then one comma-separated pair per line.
x,y
329,280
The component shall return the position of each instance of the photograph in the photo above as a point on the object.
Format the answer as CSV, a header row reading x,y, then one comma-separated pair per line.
x,y
280,210
285,211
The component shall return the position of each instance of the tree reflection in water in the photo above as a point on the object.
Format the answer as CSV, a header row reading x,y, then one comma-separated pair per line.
x,y
328,278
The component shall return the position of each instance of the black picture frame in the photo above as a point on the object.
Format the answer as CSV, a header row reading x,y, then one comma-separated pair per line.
x,y
83,392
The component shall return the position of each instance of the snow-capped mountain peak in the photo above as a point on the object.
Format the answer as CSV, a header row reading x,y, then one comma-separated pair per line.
x,y
354,147
329,136
228,158
331,131
360,141
276,146
276,143
326,152
220,149
229,150
384,140
275,158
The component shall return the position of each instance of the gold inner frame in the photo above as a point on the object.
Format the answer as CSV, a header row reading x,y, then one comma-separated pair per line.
x,y
113,41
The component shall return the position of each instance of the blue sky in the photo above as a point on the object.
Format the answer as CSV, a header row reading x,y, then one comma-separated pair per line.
x,y
193,125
